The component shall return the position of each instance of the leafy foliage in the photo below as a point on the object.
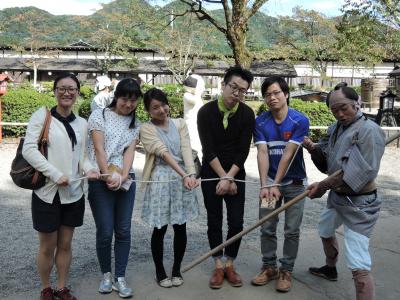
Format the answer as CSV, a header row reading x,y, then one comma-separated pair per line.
x,y
18,106
373,27
175,98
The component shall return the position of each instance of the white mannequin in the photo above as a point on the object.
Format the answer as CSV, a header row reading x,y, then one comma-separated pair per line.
x,y
102,88
194,87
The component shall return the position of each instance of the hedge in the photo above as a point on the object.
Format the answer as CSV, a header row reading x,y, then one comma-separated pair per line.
x,y
20,103
317,112
18,106
175,98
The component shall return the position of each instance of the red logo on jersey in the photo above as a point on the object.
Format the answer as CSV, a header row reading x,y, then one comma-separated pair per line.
x,y
287,135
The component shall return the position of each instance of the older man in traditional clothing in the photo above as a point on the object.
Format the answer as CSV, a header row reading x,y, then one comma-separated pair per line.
x,y
355,148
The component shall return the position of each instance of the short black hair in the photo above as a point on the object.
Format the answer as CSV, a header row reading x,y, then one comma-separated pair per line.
x,y
154,93
238,71
66,75
275,79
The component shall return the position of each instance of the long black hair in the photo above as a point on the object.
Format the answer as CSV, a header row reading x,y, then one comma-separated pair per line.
x,y
127,87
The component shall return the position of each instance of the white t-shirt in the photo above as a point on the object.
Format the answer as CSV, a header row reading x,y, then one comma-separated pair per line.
x,y
117,134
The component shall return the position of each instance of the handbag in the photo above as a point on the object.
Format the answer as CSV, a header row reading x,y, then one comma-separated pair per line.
x,y
22,173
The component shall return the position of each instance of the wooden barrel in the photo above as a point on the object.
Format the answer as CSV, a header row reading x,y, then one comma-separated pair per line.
x,y
371,89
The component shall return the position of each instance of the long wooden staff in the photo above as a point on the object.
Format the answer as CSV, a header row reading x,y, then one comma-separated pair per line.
x,y
250,228
246,231
264,219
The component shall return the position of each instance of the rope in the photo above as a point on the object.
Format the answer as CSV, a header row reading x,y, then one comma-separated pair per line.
x,y
177,180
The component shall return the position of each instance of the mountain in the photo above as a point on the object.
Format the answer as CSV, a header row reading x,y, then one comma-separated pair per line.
x,y
19,23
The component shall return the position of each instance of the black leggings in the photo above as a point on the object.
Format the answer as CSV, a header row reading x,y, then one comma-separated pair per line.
x,y
157,249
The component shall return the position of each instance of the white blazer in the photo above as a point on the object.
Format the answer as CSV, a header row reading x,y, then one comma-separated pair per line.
x,y
61,159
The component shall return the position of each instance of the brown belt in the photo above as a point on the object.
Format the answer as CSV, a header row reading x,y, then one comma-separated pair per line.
x,y
345,190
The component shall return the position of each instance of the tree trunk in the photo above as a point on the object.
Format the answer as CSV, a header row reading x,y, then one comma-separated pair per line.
x,y
35,69
237,38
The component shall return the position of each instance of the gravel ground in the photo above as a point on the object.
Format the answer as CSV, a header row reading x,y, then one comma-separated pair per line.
x,y
19,242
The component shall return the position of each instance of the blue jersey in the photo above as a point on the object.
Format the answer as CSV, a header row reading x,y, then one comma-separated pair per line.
x,y
276,136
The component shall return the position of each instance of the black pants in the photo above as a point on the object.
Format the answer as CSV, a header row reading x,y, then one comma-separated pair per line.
x,y
157,249
234,210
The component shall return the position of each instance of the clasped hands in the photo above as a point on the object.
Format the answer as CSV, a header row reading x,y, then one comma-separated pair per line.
x,y
226,186
270,195
190,182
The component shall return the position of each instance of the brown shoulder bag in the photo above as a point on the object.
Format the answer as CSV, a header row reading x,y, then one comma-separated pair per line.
x,y
22,173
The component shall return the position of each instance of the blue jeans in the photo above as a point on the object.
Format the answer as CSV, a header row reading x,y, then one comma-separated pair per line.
x,y
293,218
112,213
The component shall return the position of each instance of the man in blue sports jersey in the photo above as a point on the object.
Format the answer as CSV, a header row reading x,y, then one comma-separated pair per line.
x,y
278,135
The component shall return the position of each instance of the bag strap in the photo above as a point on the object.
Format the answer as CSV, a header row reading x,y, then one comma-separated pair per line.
x,y
44,135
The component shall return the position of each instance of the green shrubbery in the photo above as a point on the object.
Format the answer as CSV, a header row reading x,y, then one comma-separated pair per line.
x,y
317,112
18,106
175,98
20,102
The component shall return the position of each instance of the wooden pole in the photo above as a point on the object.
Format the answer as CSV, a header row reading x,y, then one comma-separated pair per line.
x,y
252,227
246,231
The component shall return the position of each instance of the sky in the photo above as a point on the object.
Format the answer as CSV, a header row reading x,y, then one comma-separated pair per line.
x,y
86,7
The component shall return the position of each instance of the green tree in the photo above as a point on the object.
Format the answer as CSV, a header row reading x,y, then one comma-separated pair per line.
x,y
307,35
235,26
180,38
36,46
373,26
115,37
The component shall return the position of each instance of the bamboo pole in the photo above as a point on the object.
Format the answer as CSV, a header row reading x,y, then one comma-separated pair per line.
x,y
252,227
246,231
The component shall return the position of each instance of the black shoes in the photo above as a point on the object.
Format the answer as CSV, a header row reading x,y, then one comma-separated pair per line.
x,y
329,273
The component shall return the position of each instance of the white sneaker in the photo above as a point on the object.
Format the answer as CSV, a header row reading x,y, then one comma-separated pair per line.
x,y
177,281
106,283
123,290
165,283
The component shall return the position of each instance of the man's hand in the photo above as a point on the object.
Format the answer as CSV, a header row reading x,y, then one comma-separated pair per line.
x,y
223,187
274,192
308,144
232,188
264,193
317,190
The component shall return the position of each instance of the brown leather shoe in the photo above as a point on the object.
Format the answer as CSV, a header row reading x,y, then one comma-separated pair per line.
x,y
217,278
266,275
284,282
233,277
64,294
47,294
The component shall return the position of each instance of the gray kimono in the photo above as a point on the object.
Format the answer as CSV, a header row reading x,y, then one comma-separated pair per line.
x,y
356,150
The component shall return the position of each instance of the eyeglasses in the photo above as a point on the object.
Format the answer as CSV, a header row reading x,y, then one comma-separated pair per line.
x,y
275,93
235,89
70,90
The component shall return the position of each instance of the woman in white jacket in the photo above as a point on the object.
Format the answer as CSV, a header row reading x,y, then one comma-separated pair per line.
x,y
58,207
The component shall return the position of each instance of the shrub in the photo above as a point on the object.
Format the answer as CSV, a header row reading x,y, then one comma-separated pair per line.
x,y
317,112
84,108
87,92
18,106
175,98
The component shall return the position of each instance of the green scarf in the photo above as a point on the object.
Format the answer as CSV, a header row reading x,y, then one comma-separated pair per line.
x,y
227,112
